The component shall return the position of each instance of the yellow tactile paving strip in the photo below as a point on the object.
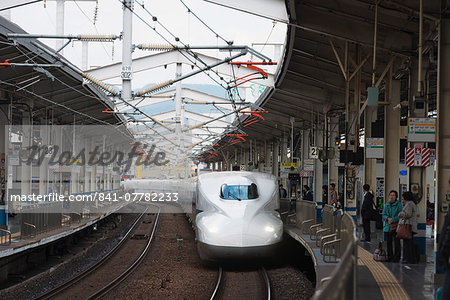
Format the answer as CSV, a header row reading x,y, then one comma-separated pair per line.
x,y
389,286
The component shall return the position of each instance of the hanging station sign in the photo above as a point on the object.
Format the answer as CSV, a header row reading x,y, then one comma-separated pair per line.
x,y
421,130
375,148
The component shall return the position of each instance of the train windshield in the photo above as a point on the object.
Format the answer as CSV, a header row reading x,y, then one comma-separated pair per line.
x,y
238,192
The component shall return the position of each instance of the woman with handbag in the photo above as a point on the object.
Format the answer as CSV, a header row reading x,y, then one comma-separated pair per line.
x,y
408,227
391,211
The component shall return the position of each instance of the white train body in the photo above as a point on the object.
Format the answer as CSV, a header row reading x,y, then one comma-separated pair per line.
x,y
237,215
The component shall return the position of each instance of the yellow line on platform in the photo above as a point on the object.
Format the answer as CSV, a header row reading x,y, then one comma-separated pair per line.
x,y
389,286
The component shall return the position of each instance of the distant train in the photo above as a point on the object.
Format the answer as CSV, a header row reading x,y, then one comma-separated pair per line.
x,y
235,214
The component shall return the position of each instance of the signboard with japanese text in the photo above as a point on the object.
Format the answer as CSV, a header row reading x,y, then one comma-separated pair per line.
x,y
421,130
375,148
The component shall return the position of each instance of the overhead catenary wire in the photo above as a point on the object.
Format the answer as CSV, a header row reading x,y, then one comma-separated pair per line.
x,y
106,85
206,25
55,103
177,39
93,22
103,86
19,5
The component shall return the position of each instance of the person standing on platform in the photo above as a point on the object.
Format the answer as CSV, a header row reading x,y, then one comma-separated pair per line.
x,y
390,218
324,194
333,195
409,215
307,195
366,212
282,192
444,255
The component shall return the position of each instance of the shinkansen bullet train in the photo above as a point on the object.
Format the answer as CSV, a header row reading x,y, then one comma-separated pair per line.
x,y
235,214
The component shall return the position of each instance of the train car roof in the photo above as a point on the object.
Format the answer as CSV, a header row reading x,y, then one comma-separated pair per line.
x,y
228,174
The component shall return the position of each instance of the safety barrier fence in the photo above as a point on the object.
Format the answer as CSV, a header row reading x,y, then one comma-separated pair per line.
x,y
336,237
5,237
48,216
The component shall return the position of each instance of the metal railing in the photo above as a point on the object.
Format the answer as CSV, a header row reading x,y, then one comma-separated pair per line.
x,y
285,209
47,216
326,227
341,284
5,237
342,281
306,215
26,228
342,242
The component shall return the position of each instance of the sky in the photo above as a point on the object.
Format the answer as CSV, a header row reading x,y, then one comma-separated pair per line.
x,y
242,28
232,25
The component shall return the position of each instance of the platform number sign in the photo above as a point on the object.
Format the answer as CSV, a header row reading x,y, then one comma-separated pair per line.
x,y
314,152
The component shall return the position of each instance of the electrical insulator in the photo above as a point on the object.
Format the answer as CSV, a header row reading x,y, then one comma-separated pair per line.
x,y
155,47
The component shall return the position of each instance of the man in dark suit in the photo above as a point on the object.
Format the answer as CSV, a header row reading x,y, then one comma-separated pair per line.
x,y
307,195
366,211
282,192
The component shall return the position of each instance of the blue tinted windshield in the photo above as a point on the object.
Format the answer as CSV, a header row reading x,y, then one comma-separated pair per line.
x,y
238,192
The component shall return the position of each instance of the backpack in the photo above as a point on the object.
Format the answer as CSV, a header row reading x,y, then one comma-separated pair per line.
x,y
380,254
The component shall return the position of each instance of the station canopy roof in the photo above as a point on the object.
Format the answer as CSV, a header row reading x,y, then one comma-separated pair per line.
x,y
57,91
311,81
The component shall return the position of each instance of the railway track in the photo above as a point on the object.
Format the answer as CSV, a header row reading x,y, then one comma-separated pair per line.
x,y
242,285
110,271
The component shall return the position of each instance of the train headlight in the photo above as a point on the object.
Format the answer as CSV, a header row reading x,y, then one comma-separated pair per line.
x,y
212,229
269,229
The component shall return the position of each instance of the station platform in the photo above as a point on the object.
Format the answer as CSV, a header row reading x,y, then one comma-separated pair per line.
x,y
376,280
19,244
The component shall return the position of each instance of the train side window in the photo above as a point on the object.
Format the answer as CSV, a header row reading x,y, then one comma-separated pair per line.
x,y
252,191
223,191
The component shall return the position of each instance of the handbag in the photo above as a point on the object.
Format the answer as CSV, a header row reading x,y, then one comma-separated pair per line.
x,y
380,254
404,231
393,225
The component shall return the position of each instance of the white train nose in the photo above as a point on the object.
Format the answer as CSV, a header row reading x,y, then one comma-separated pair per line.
x,y
219,230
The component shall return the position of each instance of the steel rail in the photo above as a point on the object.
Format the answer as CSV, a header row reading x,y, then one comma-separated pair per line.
x,y
106,289
51,293
219,283
267,281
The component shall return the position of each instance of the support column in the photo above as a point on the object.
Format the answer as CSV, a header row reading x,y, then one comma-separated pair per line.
x,y
275,161
349,179
87,168
284,147
178,109
443,132
60,23
127,49
333,131
74,175
370,115
284,158
392,141
268,158
417,175
93,184
26,169
305,156
43,168
318,171
3,169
